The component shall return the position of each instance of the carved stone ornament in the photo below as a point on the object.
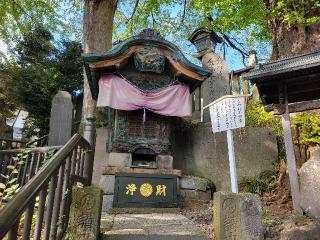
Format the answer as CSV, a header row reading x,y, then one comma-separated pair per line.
x,y
152,34
150,59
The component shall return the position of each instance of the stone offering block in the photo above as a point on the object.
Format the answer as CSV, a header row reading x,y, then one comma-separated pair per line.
x,y
85,213
118,159
164,161
195,195
106,183
195,183
107,202
145,190
237,216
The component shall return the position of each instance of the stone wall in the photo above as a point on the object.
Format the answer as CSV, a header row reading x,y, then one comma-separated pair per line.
x,y
199,152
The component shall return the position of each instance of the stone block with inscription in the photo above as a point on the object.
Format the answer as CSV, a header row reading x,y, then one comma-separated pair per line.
x,y
85,213
237,216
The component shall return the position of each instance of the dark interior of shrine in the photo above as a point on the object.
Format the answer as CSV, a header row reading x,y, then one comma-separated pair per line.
x,y
143,157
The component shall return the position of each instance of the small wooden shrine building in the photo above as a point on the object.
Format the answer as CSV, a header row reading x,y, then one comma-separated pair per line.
x,y
144,82
147,62
288,86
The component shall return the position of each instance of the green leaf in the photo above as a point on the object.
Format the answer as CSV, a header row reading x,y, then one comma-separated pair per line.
x,y
15,187
11,167
2,186
12,180
4,176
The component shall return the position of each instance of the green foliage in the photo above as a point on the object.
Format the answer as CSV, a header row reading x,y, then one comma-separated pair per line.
x,y
266,218
177,19
256,116
260,184
8,100
308,126
295,12
39,71
244,22
18,16
100,123
10,186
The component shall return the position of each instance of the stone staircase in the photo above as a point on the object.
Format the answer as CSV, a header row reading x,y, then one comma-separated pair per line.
x,y
149,226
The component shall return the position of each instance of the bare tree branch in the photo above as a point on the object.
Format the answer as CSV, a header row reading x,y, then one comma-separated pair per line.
x,y
184,11
231,44
154,21
134,11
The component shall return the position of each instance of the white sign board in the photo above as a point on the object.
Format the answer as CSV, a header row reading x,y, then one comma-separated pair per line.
x,y
227,113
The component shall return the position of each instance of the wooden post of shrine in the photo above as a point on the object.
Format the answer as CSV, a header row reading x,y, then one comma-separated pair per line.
x,y
291,160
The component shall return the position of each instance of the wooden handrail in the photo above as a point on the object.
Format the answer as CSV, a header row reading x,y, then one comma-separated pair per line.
x,y
53,178
6,143
12,140
36,149
42,141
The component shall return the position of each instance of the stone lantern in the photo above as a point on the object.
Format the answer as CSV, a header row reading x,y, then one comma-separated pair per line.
x,y
218,84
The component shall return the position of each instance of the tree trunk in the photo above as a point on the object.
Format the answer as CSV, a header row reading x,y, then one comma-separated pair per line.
x,y
294,40
97,37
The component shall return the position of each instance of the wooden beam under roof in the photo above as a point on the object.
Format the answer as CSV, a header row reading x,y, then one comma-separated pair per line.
x,y
279,109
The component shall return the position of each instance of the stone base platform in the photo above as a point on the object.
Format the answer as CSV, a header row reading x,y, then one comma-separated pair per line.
x,y
114,211
153,226
114,170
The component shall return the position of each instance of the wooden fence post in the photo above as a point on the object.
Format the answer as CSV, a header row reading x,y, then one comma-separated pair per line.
x,y
291,160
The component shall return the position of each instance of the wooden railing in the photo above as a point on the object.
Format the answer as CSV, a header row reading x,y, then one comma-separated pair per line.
x,y
47,196
11,143
40,142
18,166
6,143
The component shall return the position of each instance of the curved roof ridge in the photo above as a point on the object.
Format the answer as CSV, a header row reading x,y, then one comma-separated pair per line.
x,y
149,39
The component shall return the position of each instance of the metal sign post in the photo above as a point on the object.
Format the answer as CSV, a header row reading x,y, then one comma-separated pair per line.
x,y
227,113
232,162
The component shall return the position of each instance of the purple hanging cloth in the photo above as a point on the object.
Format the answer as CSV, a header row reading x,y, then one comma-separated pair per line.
x,y
117,93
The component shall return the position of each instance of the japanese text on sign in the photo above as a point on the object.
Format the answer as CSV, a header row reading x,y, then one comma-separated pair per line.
x,y
228,113
146,190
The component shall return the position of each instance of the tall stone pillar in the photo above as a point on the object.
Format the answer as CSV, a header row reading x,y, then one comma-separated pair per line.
x,y
218,84
61,119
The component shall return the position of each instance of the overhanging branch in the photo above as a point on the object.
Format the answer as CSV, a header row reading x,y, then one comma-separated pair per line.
x,y
134,11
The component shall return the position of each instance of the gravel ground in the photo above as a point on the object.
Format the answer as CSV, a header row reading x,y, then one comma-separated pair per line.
x,y
200,214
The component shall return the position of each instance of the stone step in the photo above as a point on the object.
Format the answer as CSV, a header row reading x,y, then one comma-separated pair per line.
x,y
155,226
142,210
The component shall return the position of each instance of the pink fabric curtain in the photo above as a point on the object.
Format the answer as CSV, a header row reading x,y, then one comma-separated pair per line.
x,y
117,93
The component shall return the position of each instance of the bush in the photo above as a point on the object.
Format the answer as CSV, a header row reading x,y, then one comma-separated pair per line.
x,y
256,116
260,184
308,125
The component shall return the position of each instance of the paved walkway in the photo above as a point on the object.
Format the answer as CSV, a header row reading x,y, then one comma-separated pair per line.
x,y
153,226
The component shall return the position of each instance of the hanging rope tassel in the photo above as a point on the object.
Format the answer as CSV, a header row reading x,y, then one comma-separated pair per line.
x,y
144,119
